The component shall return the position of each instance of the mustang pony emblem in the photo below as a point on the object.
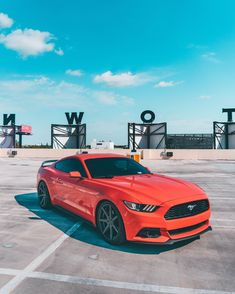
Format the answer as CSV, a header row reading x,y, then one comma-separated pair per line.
x,y
191,207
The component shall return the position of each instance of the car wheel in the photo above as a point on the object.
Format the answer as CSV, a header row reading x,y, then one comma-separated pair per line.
x,y
110,224
44,196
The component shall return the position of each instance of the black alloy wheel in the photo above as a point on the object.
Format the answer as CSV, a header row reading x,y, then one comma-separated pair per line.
x,y
44,196
110,224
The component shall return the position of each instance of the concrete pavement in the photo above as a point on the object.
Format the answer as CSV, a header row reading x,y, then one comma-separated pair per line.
x,y
51,251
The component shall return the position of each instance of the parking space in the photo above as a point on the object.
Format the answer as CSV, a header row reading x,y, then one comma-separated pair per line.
x,y
54,252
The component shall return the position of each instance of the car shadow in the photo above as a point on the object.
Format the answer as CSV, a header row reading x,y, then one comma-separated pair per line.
x,y
63,220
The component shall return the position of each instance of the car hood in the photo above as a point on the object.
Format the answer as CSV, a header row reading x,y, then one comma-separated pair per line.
x,y
152,187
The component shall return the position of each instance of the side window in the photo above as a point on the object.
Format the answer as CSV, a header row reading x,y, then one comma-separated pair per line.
x,y
76,165
71,164
63,165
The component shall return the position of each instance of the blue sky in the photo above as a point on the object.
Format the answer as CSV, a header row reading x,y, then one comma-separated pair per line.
x,y
114,59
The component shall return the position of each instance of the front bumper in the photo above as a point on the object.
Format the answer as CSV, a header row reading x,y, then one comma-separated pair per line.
x,y
173,241
171,231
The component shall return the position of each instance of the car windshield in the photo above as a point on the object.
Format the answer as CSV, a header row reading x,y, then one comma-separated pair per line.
x,y
114,166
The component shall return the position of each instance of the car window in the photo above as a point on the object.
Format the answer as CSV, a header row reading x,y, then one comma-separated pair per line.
x,y
121,164
114,166
71,164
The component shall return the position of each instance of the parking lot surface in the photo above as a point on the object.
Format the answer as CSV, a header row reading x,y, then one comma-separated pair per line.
x,y
50,251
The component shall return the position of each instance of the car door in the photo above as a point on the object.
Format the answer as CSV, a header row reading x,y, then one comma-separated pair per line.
x,y
81,195
73,193
60,180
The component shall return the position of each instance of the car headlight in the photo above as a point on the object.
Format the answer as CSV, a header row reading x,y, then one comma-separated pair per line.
x,y
141,207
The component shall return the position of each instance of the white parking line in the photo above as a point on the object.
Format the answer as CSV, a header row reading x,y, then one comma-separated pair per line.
x,y
9,271
124,285
221,198
224,227
13,209
28,215
222,220
17,215
107,283
13,283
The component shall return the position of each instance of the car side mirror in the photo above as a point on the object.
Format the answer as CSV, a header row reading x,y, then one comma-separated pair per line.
x,y
75,174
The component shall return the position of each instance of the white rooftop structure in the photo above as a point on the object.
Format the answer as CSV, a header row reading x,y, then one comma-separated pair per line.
x,y
102,144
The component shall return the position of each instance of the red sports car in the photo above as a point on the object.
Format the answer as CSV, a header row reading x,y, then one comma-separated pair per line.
x,y
123,199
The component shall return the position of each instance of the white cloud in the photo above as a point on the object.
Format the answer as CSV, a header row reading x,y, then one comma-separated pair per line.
x,y
165,84
211,57
110,98
106,97
196,46
124,79
5,21
40,91
28,42
59,52
205,97
75,72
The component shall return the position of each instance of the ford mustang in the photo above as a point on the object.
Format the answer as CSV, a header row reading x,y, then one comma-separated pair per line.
x,y
124,200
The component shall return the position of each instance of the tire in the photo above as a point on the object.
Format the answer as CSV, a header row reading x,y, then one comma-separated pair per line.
x,y
110,224
44,196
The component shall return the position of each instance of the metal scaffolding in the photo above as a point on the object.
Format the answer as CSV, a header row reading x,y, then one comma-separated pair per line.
x,y
224,135
147,136
68,136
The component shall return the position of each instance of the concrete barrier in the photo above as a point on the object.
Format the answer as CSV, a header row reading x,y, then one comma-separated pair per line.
x,y
193,154
55,153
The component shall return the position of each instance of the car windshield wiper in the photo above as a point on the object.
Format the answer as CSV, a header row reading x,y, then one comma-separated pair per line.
x,y
104,177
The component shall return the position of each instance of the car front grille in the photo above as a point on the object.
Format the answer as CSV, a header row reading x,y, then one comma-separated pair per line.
x,y
187,229
187,209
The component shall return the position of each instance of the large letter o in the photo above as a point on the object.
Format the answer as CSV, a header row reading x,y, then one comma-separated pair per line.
x,y
151,119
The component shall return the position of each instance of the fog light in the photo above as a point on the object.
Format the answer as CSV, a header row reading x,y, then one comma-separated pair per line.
x,y
149,233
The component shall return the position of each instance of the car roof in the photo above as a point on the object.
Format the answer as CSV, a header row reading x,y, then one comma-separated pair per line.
x,y
85,156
